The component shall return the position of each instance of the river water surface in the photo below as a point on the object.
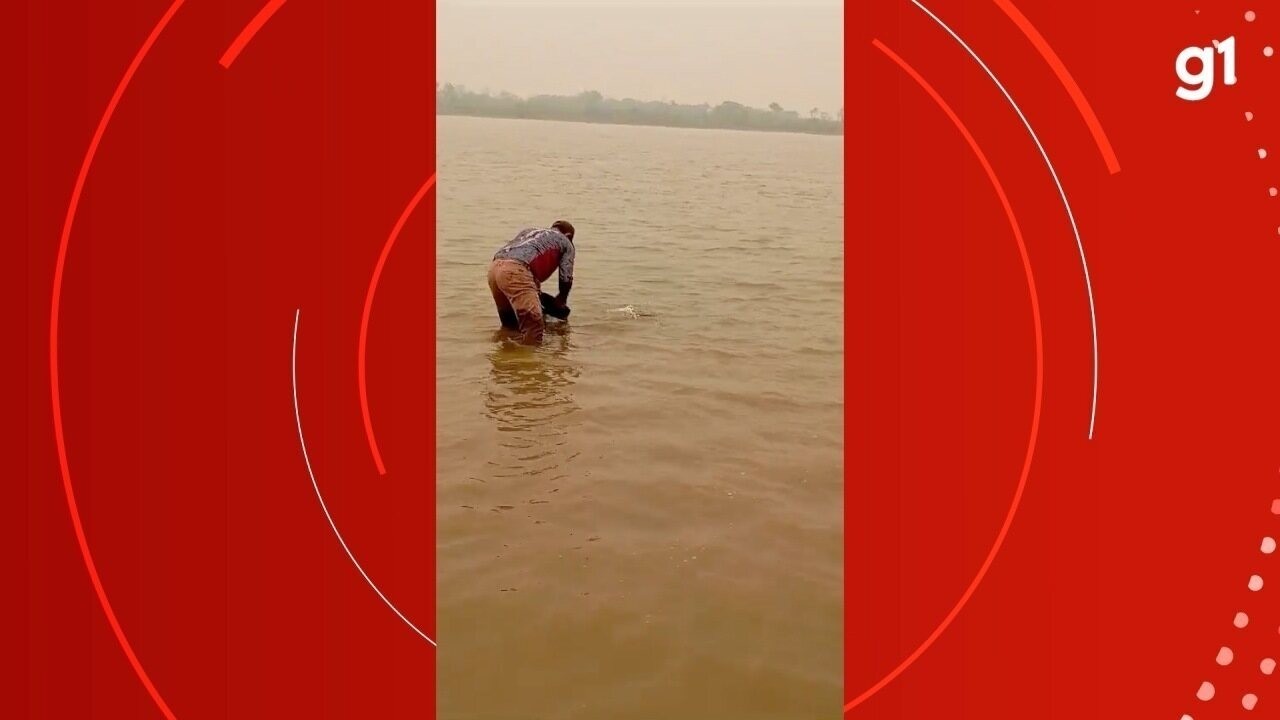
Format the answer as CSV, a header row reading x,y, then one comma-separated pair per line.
x,y
642,517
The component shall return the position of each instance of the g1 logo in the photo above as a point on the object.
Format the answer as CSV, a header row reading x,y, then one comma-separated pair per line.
x,y
1198,85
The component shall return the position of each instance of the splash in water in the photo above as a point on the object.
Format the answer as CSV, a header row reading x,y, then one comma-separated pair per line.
x,y
627,311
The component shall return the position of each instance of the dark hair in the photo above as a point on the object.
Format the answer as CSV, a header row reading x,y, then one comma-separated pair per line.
x,y
563,226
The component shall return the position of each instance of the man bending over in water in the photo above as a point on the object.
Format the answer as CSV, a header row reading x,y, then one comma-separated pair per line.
x,y
519,269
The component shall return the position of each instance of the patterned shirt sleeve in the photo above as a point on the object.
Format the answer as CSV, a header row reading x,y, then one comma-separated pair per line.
x,y
566,260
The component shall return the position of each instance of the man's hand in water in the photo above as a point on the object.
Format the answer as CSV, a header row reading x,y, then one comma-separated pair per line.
x,y
555,307
561,308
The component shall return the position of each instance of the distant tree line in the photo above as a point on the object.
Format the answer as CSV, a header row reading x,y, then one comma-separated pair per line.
x,y
591,106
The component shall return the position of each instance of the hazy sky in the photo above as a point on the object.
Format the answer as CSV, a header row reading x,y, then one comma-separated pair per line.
x,y
691,51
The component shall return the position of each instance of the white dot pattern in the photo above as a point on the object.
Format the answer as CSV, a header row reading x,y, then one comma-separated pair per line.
x,y
1206,691
1226,656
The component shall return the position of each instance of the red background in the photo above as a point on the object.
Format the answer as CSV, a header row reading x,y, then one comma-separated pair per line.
x,y
223,200
1130,554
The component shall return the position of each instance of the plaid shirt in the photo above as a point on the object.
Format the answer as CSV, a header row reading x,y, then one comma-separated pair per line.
x,y
543,250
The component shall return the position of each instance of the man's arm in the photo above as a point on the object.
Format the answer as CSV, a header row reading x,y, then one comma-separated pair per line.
x,y
566,272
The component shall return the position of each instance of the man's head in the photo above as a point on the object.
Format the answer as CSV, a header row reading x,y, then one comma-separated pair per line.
x,y
563,226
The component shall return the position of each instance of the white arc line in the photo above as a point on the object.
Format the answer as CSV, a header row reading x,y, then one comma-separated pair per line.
x,y
1088,282
307,459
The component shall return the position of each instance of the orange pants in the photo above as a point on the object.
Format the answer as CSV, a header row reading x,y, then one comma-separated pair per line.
x,y
515,292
